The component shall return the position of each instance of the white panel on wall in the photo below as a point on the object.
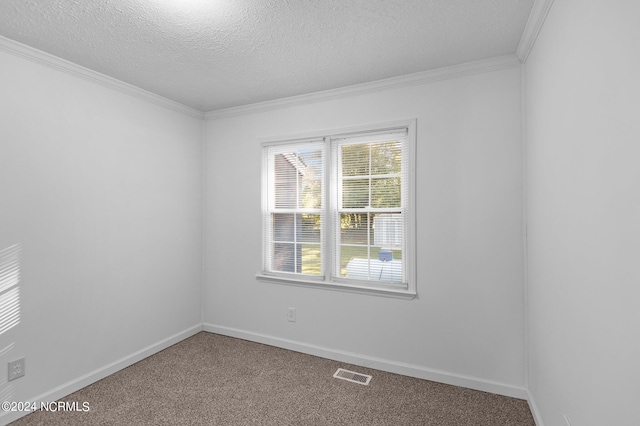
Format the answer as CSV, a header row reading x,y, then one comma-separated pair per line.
x,y
467,321
101,192
582,150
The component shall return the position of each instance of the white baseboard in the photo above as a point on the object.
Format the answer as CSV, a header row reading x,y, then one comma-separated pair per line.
x,y
376,363
534,409
337,355
83,381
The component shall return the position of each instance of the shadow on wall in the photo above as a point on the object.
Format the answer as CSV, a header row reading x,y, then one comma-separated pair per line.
x,y
9,307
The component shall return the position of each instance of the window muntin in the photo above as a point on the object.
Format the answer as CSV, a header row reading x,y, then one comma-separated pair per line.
x,y
338,211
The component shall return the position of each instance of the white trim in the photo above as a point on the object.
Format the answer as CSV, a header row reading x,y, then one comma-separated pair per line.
x,y
43,58
525,221
455,71
203,221
99,374
535,412
538,15
339,132
390,366
411,243
338,286
327,196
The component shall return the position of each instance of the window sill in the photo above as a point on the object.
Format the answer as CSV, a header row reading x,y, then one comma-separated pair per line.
x,y
329,285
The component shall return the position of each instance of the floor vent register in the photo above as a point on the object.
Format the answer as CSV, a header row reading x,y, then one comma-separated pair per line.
x,y
352,376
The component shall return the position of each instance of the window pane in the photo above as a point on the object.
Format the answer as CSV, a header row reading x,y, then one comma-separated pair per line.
x,y
353,228
310,228
385,192
284,259
349,254
387,231
355,160
371,250
311,259
355,193
283,227
386,158
287,181
311,194
381,265
311,173
298,177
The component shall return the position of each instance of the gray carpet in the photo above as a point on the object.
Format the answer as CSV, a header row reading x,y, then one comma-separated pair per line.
x,y
210,379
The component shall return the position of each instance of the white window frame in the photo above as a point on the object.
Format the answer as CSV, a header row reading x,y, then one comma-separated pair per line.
x,y
327,280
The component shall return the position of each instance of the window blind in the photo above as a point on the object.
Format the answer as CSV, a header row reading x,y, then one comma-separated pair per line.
x,y
294,217
370,198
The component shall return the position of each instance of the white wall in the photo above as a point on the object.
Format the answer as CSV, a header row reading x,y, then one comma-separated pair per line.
x,y
102,191
583,174
466,326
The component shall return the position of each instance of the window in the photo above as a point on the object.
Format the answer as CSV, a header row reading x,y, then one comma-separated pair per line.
x,y
338,210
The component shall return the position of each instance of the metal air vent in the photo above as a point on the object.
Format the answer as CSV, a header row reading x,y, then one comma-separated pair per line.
x,y
352,376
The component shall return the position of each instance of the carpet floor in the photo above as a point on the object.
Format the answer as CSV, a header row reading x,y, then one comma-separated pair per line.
x,y
210,379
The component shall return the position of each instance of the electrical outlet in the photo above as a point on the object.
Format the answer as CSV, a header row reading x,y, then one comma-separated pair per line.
x,y
291,314
16,369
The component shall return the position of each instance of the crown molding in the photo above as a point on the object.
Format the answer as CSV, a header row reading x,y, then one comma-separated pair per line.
x,y
54,62
446,73
538,15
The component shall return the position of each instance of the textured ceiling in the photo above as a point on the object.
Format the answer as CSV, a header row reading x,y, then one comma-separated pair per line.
x,y
212,54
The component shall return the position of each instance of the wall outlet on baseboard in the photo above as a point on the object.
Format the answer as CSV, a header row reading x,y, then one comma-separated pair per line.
x,y
291,314
566,420
16,369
